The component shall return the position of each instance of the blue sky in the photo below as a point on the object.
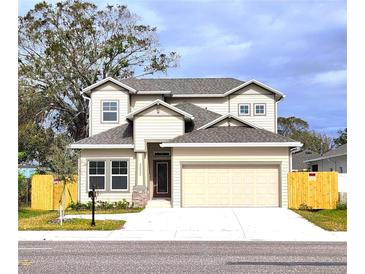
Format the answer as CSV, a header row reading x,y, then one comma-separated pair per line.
x,y
297,47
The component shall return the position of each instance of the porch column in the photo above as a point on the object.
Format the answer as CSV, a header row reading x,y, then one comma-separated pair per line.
x,y
140,169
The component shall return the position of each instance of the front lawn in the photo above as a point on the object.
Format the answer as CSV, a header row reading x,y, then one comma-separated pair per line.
x,y
45,220
328,219
24,213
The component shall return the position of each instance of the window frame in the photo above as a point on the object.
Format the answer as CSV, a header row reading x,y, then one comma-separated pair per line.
x,y
254,109
94,175
111,111
124,175
244,114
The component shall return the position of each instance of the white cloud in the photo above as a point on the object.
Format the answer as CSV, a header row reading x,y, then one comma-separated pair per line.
x,y
216,42
331,78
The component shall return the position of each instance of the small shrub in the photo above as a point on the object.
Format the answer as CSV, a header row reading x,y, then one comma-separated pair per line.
x,y
305,207
100,205
122,204
341,206
80,206
104,205
22,188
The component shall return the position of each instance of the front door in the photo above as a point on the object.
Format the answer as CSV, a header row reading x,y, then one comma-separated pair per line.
x,y
162,178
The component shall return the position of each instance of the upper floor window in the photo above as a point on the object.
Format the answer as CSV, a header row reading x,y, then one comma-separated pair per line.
x,y
260,109
244,109
110,111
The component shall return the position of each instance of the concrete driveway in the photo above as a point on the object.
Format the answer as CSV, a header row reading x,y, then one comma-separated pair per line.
x,y
201,224
272,224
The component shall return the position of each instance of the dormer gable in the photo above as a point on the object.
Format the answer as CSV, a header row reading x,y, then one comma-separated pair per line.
x,y
227,121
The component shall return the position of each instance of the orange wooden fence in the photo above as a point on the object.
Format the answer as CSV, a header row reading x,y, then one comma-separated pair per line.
x,y
316,190
46,194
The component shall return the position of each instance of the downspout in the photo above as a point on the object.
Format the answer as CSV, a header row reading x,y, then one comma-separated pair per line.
x,y
291,151
89,105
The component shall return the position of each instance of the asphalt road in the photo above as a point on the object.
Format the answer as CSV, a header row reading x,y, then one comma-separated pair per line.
x,y
182,257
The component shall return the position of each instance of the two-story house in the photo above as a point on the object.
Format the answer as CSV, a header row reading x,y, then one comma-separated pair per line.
x,y
197,142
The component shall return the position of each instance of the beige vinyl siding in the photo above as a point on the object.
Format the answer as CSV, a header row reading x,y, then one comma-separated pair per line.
x,y
218,105
139,101
267,156
156,124
107,92
252,95
106,154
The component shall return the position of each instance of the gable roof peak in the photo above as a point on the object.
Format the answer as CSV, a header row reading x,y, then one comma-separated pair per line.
x,y
223,117
158,102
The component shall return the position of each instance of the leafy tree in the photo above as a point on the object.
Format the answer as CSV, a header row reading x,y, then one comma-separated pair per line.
x,y
33,139
22,188
63,162
34,142
287,126
61,159
342,138
314,141
73,44
298,129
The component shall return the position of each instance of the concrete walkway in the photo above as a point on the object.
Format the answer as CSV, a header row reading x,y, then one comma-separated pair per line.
x,y
199,224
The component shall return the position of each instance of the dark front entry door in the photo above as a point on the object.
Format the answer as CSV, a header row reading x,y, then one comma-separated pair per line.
x,y
162,178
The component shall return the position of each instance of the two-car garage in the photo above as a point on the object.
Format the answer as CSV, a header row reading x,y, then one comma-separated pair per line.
x,y
230,177
230,185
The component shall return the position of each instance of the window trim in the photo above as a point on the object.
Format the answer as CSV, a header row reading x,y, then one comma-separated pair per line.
x,y
259,114
102,112
124,175
94,175
249,109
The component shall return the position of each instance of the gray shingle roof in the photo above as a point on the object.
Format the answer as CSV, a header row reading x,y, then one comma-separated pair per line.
x,y
230,135
201,116
122,134
301,156
341,150
184,85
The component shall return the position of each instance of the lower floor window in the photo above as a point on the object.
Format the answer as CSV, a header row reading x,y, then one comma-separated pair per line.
x,y
108,175
119,175
97,174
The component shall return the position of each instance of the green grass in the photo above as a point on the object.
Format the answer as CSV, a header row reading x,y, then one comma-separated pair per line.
x,y
328,219
24,213
39,220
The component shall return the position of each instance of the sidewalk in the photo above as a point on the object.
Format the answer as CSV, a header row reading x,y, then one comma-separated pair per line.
x,y
198,224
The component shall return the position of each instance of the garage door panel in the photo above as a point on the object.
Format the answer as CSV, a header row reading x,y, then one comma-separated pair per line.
x,y
230,185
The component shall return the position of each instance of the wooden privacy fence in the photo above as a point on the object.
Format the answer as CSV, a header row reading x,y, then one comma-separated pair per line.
x,y
317,190
46,194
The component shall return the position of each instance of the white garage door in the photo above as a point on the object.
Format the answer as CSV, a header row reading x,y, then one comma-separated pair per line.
x,y
230,185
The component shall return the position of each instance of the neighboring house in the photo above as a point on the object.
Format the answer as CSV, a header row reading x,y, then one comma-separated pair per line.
x,y
333,160
300,157
196,142
27,170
